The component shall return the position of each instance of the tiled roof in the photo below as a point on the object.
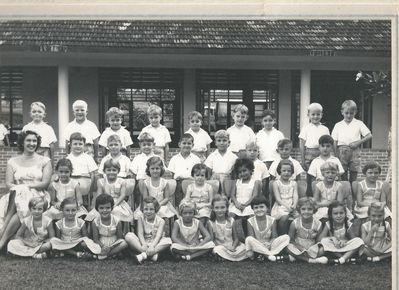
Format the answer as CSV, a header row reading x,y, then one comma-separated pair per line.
x,y
94,35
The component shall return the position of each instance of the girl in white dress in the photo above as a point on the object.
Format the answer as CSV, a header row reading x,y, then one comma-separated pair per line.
x,y
150,240
186,231
337,236
32,238
227,244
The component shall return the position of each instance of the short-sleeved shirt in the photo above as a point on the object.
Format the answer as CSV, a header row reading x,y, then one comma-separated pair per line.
x,y
124,163
124,134
201,140
260,170
314,168
221,164
267,144
240,137
181,167
311,134
297,168
3,132
161,134
82,165
139,165
45,131
345,133
88,129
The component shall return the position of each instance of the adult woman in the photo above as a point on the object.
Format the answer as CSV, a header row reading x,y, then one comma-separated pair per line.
x,y
27,175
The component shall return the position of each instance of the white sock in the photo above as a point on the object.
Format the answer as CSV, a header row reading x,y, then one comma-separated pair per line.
x,y
154,257
272,258
341,260
144,255
322,260
312,261
376,259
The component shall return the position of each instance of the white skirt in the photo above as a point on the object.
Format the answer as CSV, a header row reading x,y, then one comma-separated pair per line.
x,y
122,211
298,250
322,212
165,211
238,255
177,246
56,214
267,249
246,212
61,245
362,212
18,248
350,245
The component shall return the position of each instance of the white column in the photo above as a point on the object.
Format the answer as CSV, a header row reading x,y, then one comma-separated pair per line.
x,y
305,97
189,96
284,103
63,103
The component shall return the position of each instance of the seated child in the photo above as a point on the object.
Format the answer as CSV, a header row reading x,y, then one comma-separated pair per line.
x,y
202,140
262,233
261,172
32,238
150,240
186,234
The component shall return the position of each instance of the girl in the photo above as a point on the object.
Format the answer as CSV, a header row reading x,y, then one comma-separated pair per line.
x,y
304,232
337,235
286,194
376,234
186,231
262,233
71,233
150,230
200,192
62,188
227,245
32,238
107,229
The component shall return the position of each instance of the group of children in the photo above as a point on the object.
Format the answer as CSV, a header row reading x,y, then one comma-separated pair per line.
x,y
246,199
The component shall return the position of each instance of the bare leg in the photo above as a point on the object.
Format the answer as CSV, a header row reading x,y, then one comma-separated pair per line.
x,y
45,247
282,225
133,242
199,253
10,230
117,249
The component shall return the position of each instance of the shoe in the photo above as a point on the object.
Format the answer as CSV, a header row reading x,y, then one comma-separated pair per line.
x,y
322,260
154,258
101,257
39,256
272,258
291,258
139,259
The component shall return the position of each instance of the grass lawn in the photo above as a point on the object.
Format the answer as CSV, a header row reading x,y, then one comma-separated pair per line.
x,y
17,273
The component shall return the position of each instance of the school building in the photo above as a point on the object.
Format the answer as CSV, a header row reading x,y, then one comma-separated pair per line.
x,y
203,65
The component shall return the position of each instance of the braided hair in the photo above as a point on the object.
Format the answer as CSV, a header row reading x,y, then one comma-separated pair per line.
x,y
335,204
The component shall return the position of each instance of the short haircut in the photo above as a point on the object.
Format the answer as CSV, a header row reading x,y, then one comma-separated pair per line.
x,y
150,199
22,136
270,113
251,145
326,139
104,199
154,160
306,200
329,166
197,168
187,203
114,138
79,103
222,134
349,104
36,200
154,110
146,137
371,165
64,162
240,108
77,136
38,104
284,142
240,162
194,114
315,107
113,111
259,199
68,200
112,163
187,136
285,162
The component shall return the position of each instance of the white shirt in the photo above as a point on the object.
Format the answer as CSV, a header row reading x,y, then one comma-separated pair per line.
x,y
124,163
345,133
139,165
260,170
314,168
201,140
181,167
311,134
161,134
3,132
82,164
44,130
240,137
267,144
221,164
297,168
88,129
124,134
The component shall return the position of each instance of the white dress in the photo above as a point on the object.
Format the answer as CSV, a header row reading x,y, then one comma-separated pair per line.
x,y
243,194
151,229
201,195
190,235
370,195
340,235
287,195
107,234
380,242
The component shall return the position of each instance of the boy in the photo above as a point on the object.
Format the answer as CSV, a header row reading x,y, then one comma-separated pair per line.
x,y
202,140
260,171
240,134
82,125
114,117
348,135
159,132
46,132
267,138
182,163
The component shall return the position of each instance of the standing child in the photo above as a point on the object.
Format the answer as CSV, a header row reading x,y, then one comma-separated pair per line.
x,y
348,135
107,229
268,138
262,233
186,234
114,117
45,131
159,132
337,236
32,238
227,244
85,127
150,240
4,132
202,140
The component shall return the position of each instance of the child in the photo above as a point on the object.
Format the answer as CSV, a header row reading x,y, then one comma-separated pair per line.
x,y
46,132
87,128
348,135
227,244
107,229
240,134
186,234
337,236
63,188
71,233
114,117
262,233
84,166
202,140
32,238
268,138
305,233
150,240
261,172
159,132
376,234
200,192
286,194
371,190
181,164
4,132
